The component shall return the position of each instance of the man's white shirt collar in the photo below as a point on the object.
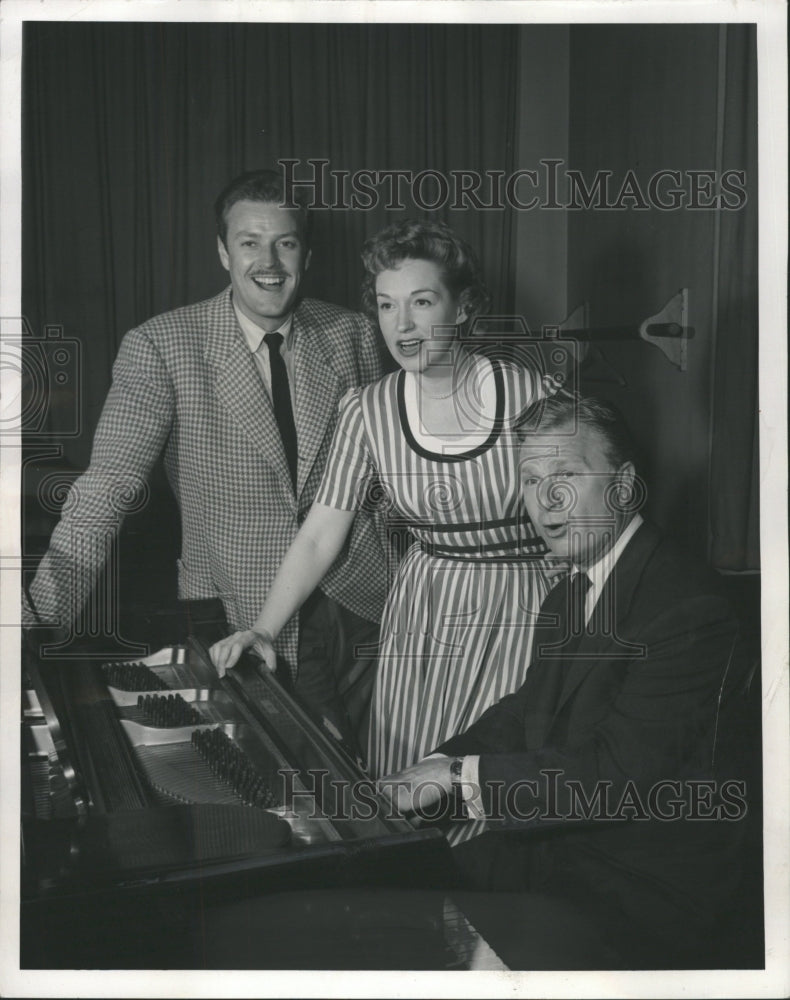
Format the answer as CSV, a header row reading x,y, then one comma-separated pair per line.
x,y
600,571
254,335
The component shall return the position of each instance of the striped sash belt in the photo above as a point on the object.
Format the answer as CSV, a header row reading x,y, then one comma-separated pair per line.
x,y
514,550
525,551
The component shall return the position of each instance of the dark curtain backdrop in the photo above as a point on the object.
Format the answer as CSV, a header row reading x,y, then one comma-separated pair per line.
x,y
131,130
698,427
735,453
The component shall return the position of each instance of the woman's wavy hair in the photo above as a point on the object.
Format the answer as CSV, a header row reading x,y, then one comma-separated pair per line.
x,y
433,241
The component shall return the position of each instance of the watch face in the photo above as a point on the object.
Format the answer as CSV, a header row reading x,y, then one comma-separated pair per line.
x,y
455,769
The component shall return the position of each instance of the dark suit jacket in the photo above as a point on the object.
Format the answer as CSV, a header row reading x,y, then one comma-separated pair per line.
x,y
658,699
185,383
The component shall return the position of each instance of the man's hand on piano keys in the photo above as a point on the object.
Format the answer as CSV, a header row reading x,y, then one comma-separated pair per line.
x,y
225,653
419,787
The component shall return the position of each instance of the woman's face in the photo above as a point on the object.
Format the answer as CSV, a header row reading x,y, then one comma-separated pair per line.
x,y
418,315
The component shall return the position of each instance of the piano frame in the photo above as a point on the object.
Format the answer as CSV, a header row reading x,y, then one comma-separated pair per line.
x,y
112,878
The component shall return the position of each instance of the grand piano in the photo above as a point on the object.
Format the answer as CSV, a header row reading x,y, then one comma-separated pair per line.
x,y
172,819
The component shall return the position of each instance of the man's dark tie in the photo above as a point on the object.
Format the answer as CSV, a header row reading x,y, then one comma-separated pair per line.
x,y
577,606
281,401
568,601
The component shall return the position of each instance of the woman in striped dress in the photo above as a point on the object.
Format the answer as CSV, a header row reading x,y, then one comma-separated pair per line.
x,y
437,439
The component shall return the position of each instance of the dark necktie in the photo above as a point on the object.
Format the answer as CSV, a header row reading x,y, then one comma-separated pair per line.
x,y
568,600
577,606
281,401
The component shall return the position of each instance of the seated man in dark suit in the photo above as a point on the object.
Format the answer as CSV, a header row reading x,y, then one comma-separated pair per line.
x,y
611,780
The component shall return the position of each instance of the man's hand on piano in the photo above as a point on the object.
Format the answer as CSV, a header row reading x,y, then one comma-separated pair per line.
x,y
419,787
226,652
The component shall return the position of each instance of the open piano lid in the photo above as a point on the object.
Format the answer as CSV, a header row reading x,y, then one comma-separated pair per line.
x,y
130,833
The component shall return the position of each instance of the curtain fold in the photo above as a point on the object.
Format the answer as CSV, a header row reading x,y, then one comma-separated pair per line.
x,y
734,461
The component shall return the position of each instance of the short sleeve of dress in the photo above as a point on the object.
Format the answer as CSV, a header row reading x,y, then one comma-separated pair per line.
x,y
348,465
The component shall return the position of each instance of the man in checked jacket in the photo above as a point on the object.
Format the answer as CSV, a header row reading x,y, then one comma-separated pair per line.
x,y
205,384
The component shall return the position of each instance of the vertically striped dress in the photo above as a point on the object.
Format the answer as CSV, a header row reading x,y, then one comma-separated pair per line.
x,y
457,630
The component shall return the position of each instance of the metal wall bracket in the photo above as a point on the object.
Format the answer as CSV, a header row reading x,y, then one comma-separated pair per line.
x,y
668,330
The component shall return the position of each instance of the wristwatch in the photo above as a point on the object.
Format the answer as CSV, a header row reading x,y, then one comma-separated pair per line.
x,y
456,788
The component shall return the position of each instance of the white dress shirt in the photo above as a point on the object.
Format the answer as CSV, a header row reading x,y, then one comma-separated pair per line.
x,y
598,573
259,349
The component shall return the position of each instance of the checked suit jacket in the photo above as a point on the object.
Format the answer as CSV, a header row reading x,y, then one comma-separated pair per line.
x,y
185,383
653,693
